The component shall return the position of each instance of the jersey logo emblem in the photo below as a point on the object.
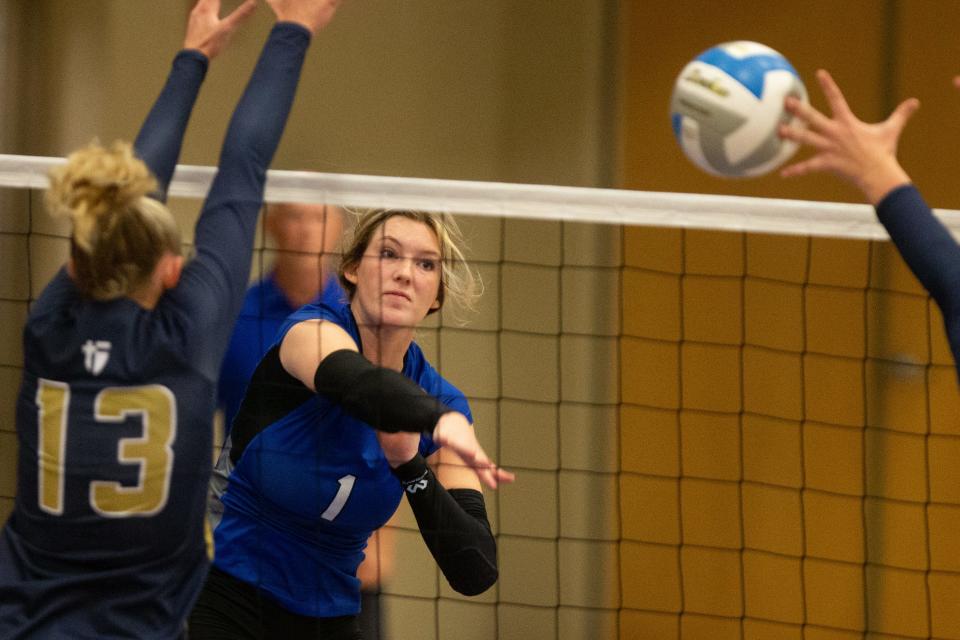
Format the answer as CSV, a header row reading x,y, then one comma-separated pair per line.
x,y
416,485
95,355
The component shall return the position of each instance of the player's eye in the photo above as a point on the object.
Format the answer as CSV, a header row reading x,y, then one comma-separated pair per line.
x,y
427,264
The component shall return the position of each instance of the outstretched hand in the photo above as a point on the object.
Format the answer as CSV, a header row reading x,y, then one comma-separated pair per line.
x,y
207,32
312,14
457,434
862,153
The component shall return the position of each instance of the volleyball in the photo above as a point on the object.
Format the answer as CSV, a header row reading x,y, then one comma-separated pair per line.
x,y
727,104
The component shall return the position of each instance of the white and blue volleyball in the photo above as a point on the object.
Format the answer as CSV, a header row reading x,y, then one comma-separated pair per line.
x,y
727,104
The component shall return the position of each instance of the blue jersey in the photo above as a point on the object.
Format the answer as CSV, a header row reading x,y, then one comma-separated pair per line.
x,y
307,484
929,250
264,311
106,539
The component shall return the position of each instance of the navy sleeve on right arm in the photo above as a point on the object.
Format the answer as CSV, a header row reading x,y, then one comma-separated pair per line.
x,y
259,119
161,137
212,287
925,244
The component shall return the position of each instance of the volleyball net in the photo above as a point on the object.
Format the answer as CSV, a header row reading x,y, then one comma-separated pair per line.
x,y
729,417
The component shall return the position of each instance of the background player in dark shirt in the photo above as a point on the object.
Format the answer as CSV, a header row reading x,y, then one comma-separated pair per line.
x,y
306,239
121,355
866,155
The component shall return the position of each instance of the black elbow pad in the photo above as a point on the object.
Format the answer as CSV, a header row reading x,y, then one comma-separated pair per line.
x,y
470,571
454,526
384,399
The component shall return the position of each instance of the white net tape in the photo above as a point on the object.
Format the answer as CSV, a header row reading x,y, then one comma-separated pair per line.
x,y
610,206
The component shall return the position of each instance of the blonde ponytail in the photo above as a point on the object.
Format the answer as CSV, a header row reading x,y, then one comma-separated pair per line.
x,y
119,233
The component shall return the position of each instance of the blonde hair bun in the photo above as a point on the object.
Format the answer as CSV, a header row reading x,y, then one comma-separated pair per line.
x,y
97,181
119,231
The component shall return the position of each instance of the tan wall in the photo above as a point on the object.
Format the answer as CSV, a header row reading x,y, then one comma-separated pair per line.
x,y
473,90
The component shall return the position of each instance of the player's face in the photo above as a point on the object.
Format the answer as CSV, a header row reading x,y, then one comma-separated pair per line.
x,y
398,278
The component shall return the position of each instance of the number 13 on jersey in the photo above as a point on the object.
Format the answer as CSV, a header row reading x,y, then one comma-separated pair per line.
x,y
152,451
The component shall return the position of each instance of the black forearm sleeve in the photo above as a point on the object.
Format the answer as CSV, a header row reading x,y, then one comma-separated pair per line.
x,y
384,399
455,527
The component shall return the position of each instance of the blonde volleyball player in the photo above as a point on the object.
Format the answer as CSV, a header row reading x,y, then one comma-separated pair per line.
x,y
121,354
307,478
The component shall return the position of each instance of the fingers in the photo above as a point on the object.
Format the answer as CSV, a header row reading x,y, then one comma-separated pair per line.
x,y
209,34
487,477
487,471
838,104
207,6
902,114
453,431
505,476
806,137
239,15
493,476
314,15
815,164
806,113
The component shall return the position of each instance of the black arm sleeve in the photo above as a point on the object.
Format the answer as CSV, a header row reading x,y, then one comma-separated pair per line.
x,y
161,135
454,526
384,399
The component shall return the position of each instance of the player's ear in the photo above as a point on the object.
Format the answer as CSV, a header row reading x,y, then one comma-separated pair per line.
x,y
350,273
171,266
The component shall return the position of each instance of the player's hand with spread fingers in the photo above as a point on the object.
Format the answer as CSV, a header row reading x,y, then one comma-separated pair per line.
x,y
207,32
312,14
455,432
864,154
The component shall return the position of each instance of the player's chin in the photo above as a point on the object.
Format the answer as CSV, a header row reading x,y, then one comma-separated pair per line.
x,y
398,319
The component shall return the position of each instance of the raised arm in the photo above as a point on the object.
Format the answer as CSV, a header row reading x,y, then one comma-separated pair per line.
x,y
261,115
225,230
865,155
161,135
212,286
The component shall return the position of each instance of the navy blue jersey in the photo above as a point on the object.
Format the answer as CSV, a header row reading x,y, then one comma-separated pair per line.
x,y
307,484
265,308
929,250
106,539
